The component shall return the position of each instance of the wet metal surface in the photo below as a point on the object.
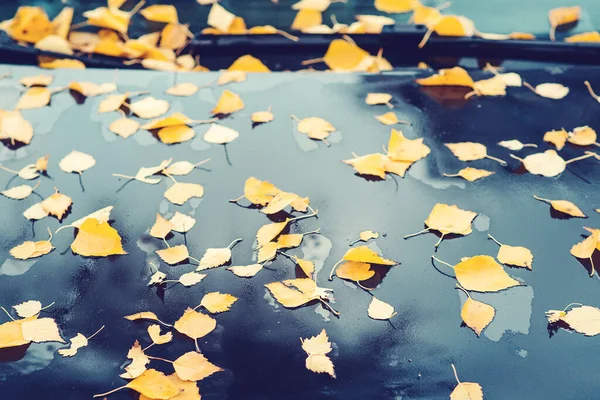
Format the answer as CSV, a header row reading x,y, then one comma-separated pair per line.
x,y
257,342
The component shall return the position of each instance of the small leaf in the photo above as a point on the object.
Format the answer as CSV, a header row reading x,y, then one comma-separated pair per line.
x,y
174,255
380,309
76,161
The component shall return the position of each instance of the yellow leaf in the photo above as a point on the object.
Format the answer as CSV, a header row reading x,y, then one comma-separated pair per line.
x,y
380,309
215,257
102,215
180,192
142,315
157,338
475,314
97,239
183,89
41,330
174,36
193,366
35,212
248,63
317,347
245,271
483,274
57,205
471,174
284,199
182,223
77,342
11,334
30,249
14,127
401,148
216,302
194,324
355,271
582,136
259,192
585,37
396,6
564,206
228,103
261,117
149,107
562,16
315,127
28,308
191,278
306,18
366,255
583,319
161,228
182,167
36,80
448,77
124,127
466,390
494,86
378,98
176,134
448,219
231,76
112,103
152,384
267,252
220,18
586,247
30,24
172,120
161,13
139,360
471,151
187,390
111,18
218,134
548,163
76,161
293,293
515,145
554,91
316,5
453,25
90,89
343,55
55,44
35,97
19,192
174,255
374,23
62,22
388,118
371,164
55,63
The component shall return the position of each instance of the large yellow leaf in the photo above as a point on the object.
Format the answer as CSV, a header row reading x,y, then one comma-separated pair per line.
x,y
194,324
483,274
216,302
97,239
193,366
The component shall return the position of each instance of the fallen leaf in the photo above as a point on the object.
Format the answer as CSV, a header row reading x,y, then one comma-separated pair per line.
x,y
482,274
389,118
379,98
157,337
354,271
582,136
284,199
446,220
182,223
268,232
35,97
193,366
515,145
19,192
494,86
218,134
554,91
112,102
28,309
191,278
182,167
317,5
41,330
184,89
471,174
149,107
90,89
174,119
97,239
585,249
582,319
29,249
124,127
370,164
261,117
396,6
187,390
401,148
36,212
466,390
174,255
366,255
216,302
14,127
344,55
365,236
102,215
448,77
514,255
548,163
230,76
306,18
228,103
562,16
53,63
317,348
471,151
380,309
57,205
564,206
220,18
475,314
215,257
37,80
259,192
316,128
585,37
76,161
139,360
160,13
248,63
194,324
77,343
180,192
246,271
150,383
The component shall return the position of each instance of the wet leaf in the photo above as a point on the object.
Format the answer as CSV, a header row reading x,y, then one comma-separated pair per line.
x,y
194,324
466,390
112,102
184,89
547,164
149,107
284,199
448,77
582,319
157,337
316,128
90,89
151,383
176,134
564,206
261,117
174,255
228,103
174,119
401,148
77,343
14,127
41,330
215,257
231,76
388,118
518,256
585,249
483,274
248,63
97,239
343,55
585,37
562,16
379,98
306,18
182,223
471,174
582,136
218,134
366,255
380,309
193,366
57,205
182,167
515,145
188,390
28,309
370,164
139,360
259,192
471,151
76,161
246,271
35,212
36,80
102,215
19,192
448,219
191,278
124,127
354,271
554,91
396,6
317,348
220,18
216,302
160,13
29,249
35,97
180,192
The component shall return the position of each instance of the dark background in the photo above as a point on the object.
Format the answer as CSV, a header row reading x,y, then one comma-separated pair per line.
x,y
258,343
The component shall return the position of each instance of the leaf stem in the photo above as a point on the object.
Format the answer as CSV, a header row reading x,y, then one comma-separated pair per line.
x,y
202,162
232,244
355,241
443,262
363,287
451,175
593,269
315,232
463,289
587,155
196,343
326,304
313,61
572,304
455,374
194,259
303,216
528,86
516,158
494,239
123,176
160,359
501,162
416,234
110,392
8,169
48,306
4,309
236,199
288,35
542,199
95,333
589,87
530,145
333,269
440,241
425,38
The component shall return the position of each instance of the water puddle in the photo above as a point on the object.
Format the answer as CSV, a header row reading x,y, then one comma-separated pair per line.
x,y
420,172
12,267
482,223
